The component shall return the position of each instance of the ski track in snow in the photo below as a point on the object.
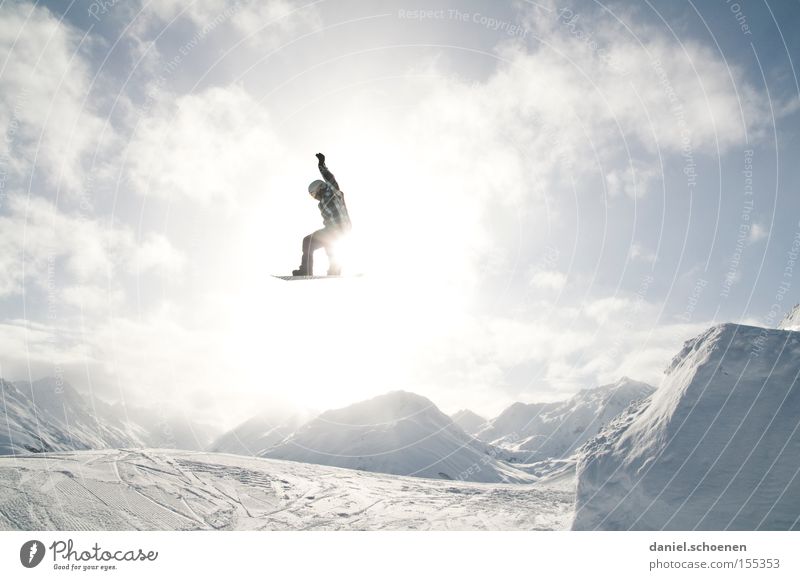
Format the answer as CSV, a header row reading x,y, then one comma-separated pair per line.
x,y
184,490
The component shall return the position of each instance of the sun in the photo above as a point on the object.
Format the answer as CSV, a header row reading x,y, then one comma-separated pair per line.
x,y
330,342
333,342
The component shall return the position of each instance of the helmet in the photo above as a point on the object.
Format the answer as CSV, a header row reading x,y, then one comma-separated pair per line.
x,y
315,187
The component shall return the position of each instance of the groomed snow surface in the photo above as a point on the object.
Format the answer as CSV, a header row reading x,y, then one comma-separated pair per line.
x,y
174,490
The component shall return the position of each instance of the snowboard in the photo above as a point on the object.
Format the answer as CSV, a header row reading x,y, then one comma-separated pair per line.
x,y
316,277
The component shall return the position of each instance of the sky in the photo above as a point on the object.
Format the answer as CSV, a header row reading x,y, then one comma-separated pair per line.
x,y
546,196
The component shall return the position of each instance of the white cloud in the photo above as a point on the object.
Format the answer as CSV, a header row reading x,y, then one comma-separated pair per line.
x,y
153,360
603,309
265,23
157,253
559,350
268,24
93,298
45,81
636,74
757,233
549,280
640,253
207,147
435,190
633,180
54,250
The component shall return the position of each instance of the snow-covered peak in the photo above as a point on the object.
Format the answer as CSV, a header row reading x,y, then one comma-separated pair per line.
x,y
792,319
715,447
53,395
538,431
469,421
388,408
515,421
400,433
50,415
258,433
624,390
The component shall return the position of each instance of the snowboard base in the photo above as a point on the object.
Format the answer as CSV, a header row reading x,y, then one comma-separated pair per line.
x,y
317,277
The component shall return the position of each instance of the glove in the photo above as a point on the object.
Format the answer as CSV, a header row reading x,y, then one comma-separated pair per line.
x,y
321,158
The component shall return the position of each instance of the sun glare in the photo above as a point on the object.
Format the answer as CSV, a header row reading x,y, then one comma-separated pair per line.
x,y
333,342
406,287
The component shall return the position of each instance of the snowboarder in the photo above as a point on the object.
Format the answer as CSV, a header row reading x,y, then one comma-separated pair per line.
x,y
334,217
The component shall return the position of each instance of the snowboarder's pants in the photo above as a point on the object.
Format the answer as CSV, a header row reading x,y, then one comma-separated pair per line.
x,y
324,238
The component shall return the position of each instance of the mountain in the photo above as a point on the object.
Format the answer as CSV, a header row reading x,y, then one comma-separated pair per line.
x,y
716,447
257,434
539,431
470,422
50,415
154,427
792,319
399,433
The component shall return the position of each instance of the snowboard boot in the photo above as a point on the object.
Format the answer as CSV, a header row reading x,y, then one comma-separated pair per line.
x,y
301,272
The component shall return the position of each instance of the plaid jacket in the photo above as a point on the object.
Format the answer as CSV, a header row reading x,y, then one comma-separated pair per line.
x,y
331,204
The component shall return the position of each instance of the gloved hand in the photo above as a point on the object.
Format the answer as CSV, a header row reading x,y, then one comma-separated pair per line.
x,y
321,158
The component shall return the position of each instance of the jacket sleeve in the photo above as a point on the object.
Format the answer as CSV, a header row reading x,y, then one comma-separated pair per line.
x,y
327,175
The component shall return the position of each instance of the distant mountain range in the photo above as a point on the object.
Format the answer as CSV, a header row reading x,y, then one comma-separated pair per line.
x,y
539,431
399,433
406,434
50,415
715,447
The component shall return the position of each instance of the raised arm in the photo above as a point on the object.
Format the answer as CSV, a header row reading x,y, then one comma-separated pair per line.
x,y
326,174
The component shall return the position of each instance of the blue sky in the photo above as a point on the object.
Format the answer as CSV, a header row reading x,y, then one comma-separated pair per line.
x,y
546,195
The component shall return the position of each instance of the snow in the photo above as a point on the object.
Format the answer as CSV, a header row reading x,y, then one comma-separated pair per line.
x,y
792,319
49,415
183,490
469,421
715,447
400,433
538,431
156,427
257,434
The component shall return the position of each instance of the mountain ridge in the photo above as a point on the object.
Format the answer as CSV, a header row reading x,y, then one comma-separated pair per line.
x,y
714,448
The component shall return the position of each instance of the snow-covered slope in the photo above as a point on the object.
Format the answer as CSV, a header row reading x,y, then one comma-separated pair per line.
x,y
535,432
400,433
257,434
49,415
155,427
470,422
792,319
717,446
182,490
